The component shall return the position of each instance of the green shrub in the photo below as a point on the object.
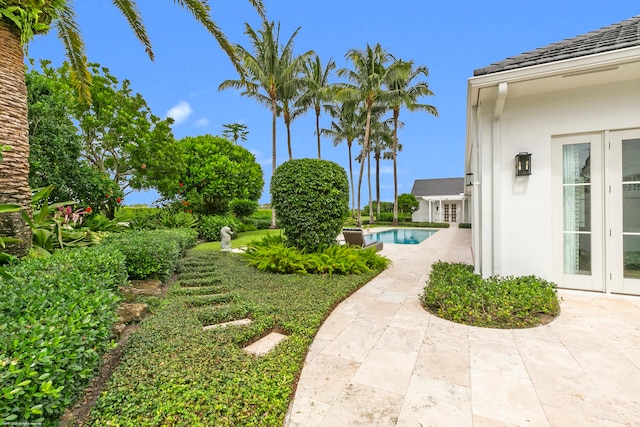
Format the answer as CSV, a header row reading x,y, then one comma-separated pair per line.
x,y
311,200
272,255
152,254
56,314
464,225
243,208
455,293
210,225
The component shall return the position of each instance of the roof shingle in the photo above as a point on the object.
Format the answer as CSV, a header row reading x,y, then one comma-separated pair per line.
x,y
622,35
438,187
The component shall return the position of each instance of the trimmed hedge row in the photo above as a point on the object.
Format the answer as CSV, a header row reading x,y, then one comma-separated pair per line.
x,y
152,254
56,314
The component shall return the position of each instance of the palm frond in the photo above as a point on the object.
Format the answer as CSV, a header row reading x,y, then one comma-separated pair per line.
x,y
129,9
69,33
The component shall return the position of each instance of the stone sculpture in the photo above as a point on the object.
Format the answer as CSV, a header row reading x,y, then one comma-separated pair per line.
x,y
225,238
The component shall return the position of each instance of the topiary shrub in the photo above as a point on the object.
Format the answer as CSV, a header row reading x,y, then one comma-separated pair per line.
x,y
311,199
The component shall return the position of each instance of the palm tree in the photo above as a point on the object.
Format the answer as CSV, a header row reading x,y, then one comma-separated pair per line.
x,y
367,79
235,131
317,89
269,68
347,125
381,144
289,93
20,21
404,93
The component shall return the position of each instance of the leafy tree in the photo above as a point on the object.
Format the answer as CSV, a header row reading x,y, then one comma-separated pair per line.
x,y
235,131
312,198
367,86
317,90
407,203
268,69
20,21
55,146
212,172
404,93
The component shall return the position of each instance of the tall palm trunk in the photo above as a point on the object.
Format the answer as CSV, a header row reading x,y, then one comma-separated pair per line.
x,y
371,219
274,113
365,149
396,113
353,195
377,157
287,122
318,130
14,170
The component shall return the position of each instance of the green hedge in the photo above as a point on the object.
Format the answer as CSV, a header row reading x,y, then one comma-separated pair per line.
x,y
55,320
152,254
210,225
456,293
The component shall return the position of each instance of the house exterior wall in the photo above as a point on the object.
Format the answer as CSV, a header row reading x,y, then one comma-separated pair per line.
x,y
515,231
437,210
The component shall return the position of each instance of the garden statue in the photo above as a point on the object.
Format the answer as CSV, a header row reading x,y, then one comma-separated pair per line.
x,y
225,238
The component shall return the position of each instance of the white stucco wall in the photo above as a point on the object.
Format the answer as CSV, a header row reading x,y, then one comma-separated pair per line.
x,y
515,232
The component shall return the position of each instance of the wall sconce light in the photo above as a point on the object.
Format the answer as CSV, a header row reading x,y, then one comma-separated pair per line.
x,y
523,164
469,179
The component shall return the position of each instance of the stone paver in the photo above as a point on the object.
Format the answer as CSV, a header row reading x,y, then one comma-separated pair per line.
x,y
265,344
381,360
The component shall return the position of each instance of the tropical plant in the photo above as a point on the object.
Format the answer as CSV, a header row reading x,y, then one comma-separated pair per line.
x,y
346,126
367,86
407,204
235,132
381,141
312,199
269,68
213,172
404,93
243,208
20,21
317,90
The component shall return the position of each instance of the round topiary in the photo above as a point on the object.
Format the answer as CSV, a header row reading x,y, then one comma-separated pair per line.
x,y
311,199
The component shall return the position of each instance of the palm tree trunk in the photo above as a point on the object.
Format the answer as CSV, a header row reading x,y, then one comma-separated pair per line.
x,y
371,219
396,113
377,157
274,110
14,132
365,149
287,123
318,132
353,196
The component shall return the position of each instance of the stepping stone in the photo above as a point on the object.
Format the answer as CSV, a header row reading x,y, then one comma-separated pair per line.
x,y
225,324
264,345
130,312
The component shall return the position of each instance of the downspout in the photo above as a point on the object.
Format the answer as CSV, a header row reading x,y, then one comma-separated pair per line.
x,y
496,175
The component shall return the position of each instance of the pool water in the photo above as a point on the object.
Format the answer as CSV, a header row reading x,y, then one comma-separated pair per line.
x,y
402,236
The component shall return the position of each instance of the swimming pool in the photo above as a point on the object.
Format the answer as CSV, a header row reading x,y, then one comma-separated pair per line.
x,y
402,236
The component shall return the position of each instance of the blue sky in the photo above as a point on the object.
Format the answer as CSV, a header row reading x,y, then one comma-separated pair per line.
x,y
450,38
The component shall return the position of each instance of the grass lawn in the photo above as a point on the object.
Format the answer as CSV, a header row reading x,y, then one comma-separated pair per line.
x,y
239,242
174,373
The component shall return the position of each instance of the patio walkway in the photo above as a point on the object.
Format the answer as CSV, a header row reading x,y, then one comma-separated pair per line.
x,y
381,360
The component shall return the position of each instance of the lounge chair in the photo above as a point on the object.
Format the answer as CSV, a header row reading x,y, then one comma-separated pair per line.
x,y
355,237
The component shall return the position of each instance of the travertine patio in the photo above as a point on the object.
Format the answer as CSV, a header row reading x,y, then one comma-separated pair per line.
x,y
381,360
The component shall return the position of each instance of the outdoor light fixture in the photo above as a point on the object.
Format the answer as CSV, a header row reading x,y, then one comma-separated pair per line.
x,y
469,179
523,164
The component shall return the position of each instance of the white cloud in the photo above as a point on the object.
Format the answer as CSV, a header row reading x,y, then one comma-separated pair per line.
x,y
180,112
202,122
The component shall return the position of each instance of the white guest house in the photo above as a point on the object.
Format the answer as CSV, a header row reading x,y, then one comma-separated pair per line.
x,y
553,156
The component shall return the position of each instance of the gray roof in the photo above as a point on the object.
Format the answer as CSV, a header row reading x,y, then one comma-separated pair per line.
x,y
622,35
438,187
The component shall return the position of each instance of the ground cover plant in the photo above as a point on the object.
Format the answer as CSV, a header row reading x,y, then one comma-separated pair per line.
x,y
174,373
240,241
456,293
56,314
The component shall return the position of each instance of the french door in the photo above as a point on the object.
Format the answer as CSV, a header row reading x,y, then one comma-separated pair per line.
x,y
596,223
